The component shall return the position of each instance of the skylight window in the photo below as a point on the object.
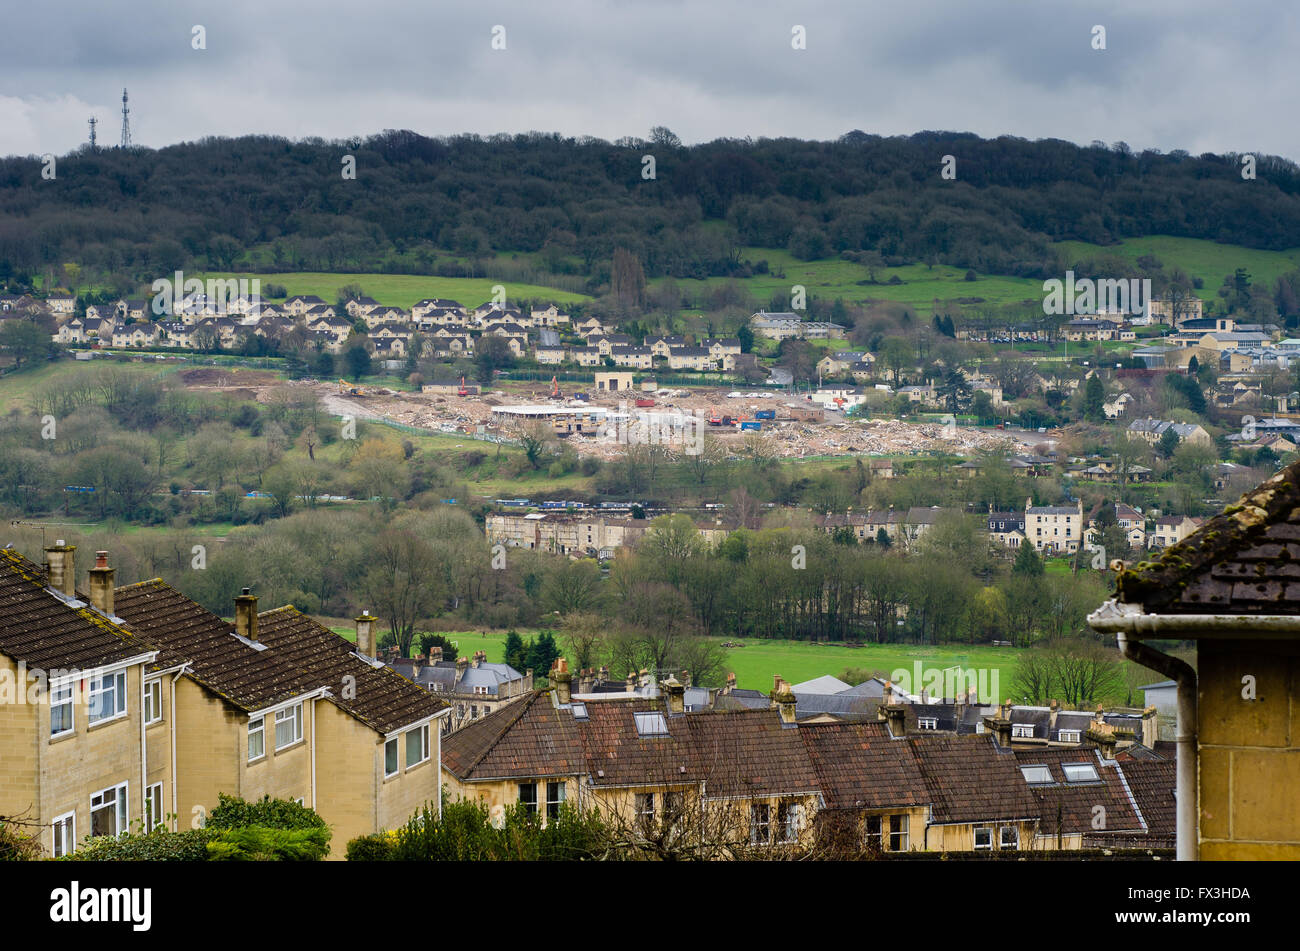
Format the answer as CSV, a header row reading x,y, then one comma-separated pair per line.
x,y
1080,773
1036,774
651,724
579,711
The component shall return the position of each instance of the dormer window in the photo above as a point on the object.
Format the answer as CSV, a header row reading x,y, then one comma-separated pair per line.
x,y
927,723
1070,736
1022,730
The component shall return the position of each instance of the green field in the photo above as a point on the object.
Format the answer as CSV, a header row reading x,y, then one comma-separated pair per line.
x,y
922,285
1199,258
403,290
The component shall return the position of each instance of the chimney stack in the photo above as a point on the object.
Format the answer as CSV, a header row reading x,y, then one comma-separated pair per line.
x,y
61,572
586,680
101,584
480,658
435,655
784,700
686,678
462,665
676,695
366,633
896,717
631,681
731,683
1053,708
246,615
561,680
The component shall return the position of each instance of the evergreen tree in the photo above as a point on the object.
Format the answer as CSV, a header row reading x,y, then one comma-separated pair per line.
x,y
1094,399
515,655
1027,562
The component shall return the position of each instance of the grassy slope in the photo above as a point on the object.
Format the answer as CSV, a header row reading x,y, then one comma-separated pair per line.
x,y
1199,258
403,290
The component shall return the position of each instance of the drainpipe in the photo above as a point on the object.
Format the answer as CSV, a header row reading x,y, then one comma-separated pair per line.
x,y
171,715
1180,672
1127,620
144,753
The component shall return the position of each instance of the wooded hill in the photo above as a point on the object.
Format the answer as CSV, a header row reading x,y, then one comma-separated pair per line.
x,y
266,202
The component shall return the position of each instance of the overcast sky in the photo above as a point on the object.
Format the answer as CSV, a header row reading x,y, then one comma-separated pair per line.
x,y
1191,74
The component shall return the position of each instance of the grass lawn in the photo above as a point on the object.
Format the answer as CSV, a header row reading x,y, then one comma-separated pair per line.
x,y
403,290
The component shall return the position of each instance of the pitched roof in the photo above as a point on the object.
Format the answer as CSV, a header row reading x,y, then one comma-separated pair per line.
x,y
824,684
186,632
50,631
297,655
1071,807
859,766
383,699
969,779
1243,561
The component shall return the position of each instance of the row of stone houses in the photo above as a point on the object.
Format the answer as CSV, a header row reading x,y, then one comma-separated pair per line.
x,y
141,707
582,534
760,778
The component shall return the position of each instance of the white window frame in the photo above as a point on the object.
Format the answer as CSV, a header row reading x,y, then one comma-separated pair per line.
x,y
1070,736
1022,731
789,822
927,723
64,834
530,806
290,714
645,810
422,733
121,797
558,789
58,702
153,804
153,702
97,691
986,831
760,823
1002,838
902,835
397,758
260,732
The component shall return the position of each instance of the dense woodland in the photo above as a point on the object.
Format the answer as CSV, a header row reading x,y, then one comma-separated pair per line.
x,y
132,215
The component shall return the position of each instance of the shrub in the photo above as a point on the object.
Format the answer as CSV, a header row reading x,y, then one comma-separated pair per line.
x,y
262,844
465,833
156,846
371,848
233,813
17,846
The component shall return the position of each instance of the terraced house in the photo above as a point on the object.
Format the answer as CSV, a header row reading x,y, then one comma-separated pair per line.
x,y
170,705
760,778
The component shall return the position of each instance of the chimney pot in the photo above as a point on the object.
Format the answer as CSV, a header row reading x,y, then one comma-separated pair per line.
x,y
101,584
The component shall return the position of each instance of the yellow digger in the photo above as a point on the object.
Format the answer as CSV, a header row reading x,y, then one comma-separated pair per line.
x,y
350,389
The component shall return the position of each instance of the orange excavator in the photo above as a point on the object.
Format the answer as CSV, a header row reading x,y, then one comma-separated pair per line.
x,y
555,387
462,391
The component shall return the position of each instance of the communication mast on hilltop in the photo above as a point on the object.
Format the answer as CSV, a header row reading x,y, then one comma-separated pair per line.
x,y
92,122
126,123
